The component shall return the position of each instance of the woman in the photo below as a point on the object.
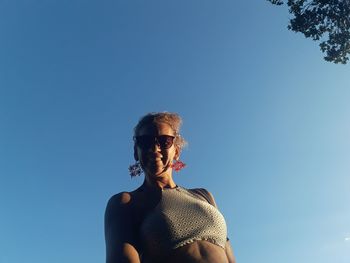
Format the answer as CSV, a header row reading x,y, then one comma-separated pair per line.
x,y
160,221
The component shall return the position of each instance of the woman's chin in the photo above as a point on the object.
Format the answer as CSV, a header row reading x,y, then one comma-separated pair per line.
x,y
156,171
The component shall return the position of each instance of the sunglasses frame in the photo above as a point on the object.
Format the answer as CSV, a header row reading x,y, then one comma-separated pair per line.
x,y
138,139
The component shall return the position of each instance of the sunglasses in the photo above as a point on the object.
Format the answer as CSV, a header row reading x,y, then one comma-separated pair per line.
x,y
147,141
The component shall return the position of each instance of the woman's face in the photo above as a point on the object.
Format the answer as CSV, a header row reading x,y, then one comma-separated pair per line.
x,y
156,160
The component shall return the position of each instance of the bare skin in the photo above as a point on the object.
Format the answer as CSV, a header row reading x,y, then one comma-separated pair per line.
x,y
125,212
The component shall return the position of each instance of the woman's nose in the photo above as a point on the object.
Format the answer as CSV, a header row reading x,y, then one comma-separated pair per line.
x,y
155,147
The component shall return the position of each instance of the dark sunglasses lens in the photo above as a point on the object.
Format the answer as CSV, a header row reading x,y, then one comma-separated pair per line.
x,y
165,141
145,142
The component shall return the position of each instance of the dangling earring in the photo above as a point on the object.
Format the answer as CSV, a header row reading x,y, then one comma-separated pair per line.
x,y
178,165
135,169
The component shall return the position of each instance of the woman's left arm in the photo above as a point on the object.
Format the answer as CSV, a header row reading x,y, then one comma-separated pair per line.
x,y
229,252
228,248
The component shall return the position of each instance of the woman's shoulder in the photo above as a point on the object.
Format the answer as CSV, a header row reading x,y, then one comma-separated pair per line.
x,y
123,197
204,194
120,207
119,199
117,205
125,200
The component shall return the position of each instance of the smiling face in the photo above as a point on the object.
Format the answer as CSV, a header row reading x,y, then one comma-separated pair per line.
x,y
156,160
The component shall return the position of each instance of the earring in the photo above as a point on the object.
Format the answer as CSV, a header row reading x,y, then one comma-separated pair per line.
x,y
178,165
135,169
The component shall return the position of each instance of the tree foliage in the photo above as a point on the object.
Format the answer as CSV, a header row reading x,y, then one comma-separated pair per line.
x,y
326,21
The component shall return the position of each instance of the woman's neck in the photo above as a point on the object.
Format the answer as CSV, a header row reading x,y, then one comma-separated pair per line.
x,y
160,182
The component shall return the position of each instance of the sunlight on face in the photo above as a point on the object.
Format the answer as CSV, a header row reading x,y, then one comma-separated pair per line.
x,y
155,160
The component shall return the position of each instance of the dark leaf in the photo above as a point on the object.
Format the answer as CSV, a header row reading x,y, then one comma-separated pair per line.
x,y
327,21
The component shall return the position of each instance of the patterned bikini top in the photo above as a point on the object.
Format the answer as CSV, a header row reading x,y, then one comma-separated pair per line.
x,y
182,217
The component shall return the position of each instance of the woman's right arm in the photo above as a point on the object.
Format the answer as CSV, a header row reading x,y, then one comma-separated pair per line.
x,y
120,240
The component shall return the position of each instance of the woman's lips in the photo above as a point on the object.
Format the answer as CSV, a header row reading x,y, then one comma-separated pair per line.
x,y
156,160
157,157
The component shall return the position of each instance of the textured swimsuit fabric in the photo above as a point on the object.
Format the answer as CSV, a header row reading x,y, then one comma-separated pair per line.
x,y
181,218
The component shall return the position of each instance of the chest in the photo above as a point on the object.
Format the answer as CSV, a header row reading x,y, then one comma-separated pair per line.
x,y
180,218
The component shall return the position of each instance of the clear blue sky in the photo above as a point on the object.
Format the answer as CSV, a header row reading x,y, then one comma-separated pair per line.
x,y
267,120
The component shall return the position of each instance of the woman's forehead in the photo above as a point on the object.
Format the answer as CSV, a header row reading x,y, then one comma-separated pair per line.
x,y
156,129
